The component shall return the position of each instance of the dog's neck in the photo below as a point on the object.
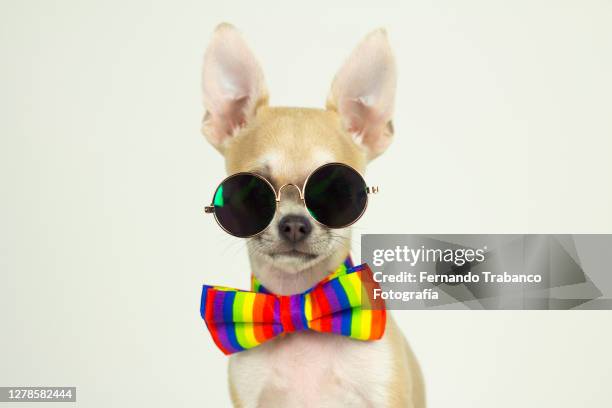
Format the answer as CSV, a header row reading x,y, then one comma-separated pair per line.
x,y
283,281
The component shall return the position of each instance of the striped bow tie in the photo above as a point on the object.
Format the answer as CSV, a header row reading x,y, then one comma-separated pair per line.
x,y
342,303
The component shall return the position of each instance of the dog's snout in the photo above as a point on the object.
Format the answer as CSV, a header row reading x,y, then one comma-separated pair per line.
x,y
294,228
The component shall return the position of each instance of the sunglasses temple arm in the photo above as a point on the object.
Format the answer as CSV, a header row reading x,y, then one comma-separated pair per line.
x,y
209,209
372,189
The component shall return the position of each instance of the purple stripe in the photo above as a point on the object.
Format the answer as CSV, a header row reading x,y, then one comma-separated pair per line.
x,y
296,312
278,326
218,317
334,306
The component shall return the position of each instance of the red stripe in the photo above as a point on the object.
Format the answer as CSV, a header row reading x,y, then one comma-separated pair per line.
x,y
323,305
268,317
285,314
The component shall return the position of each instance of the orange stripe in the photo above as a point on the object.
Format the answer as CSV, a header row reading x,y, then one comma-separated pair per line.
x,y
258,307
315,323
316,308
378,324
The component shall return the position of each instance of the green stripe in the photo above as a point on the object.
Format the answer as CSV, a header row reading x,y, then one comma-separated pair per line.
x,y
356,323
354,298
238,317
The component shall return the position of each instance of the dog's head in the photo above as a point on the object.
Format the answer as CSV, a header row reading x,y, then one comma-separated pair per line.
x,y
286,144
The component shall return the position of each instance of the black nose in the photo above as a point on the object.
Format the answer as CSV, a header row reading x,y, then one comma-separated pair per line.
x,y
294,228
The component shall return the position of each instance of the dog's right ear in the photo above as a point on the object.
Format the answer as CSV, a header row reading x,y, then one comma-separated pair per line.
x,y
363,93
233,86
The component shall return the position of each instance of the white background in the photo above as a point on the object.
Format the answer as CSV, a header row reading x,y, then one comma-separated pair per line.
x,y
503,125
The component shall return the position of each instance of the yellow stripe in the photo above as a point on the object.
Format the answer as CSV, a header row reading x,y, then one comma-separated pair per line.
x,y
361,324
225,289
366,324
247,307
308,308
247,313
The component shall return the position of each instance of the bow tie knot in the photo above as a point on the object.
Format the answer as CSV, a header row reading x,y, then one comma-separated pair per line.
x,y
342,303
291,316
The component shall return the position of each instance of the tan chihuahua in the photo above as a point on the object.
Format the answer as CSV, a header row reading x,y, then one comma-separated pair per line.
x,y
306,368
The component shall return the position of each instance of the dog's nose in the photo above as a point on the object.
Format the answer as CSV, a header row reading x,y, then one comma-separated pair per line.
x,y
294,228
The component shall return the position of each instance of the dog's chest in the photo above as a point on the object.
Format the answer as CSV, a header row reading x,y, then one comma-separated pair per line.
x,y
310,369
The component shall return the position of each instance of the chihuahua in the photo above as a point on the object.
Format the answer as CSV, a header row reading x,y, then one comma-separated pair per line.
x,y
284,145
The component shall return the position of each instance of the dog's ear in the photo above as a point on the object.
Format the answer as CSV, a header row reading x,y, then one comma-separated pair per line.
x,y
363,93
232,83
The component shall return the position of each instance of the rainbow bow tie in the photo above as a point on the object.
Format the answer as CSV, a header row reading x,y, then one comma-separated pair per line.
x,y
342,304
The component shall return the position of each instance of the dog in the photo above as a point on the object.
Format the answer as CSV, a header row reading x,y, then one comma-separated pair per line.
x,y
307,368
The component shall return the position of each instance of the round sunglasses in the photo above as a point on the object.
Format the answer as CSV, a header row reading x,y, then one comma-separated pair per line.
x,y
334,194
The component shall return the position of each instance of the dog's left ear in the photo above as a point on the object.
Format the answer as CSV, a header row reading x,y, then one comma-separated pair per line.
x,y
363,93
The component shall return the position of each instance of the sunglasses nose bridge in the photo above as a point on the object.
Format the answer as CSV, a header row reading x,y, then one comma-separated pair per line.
x,y
280,190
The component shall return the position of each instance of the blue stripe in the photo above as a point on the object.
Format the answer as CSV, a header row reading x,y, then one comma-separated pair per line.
x,y
348,262
203,302
347,313
303,312
228,318
356,268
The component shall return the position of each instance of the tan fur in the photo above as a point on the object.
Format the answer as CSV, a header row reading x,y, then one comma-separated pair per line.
x,y
234,395
307,369
298,133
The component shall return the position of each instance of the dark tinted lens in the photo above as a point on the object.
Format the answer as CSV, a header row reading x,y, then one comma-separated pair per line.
x,y
244,205
335,195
